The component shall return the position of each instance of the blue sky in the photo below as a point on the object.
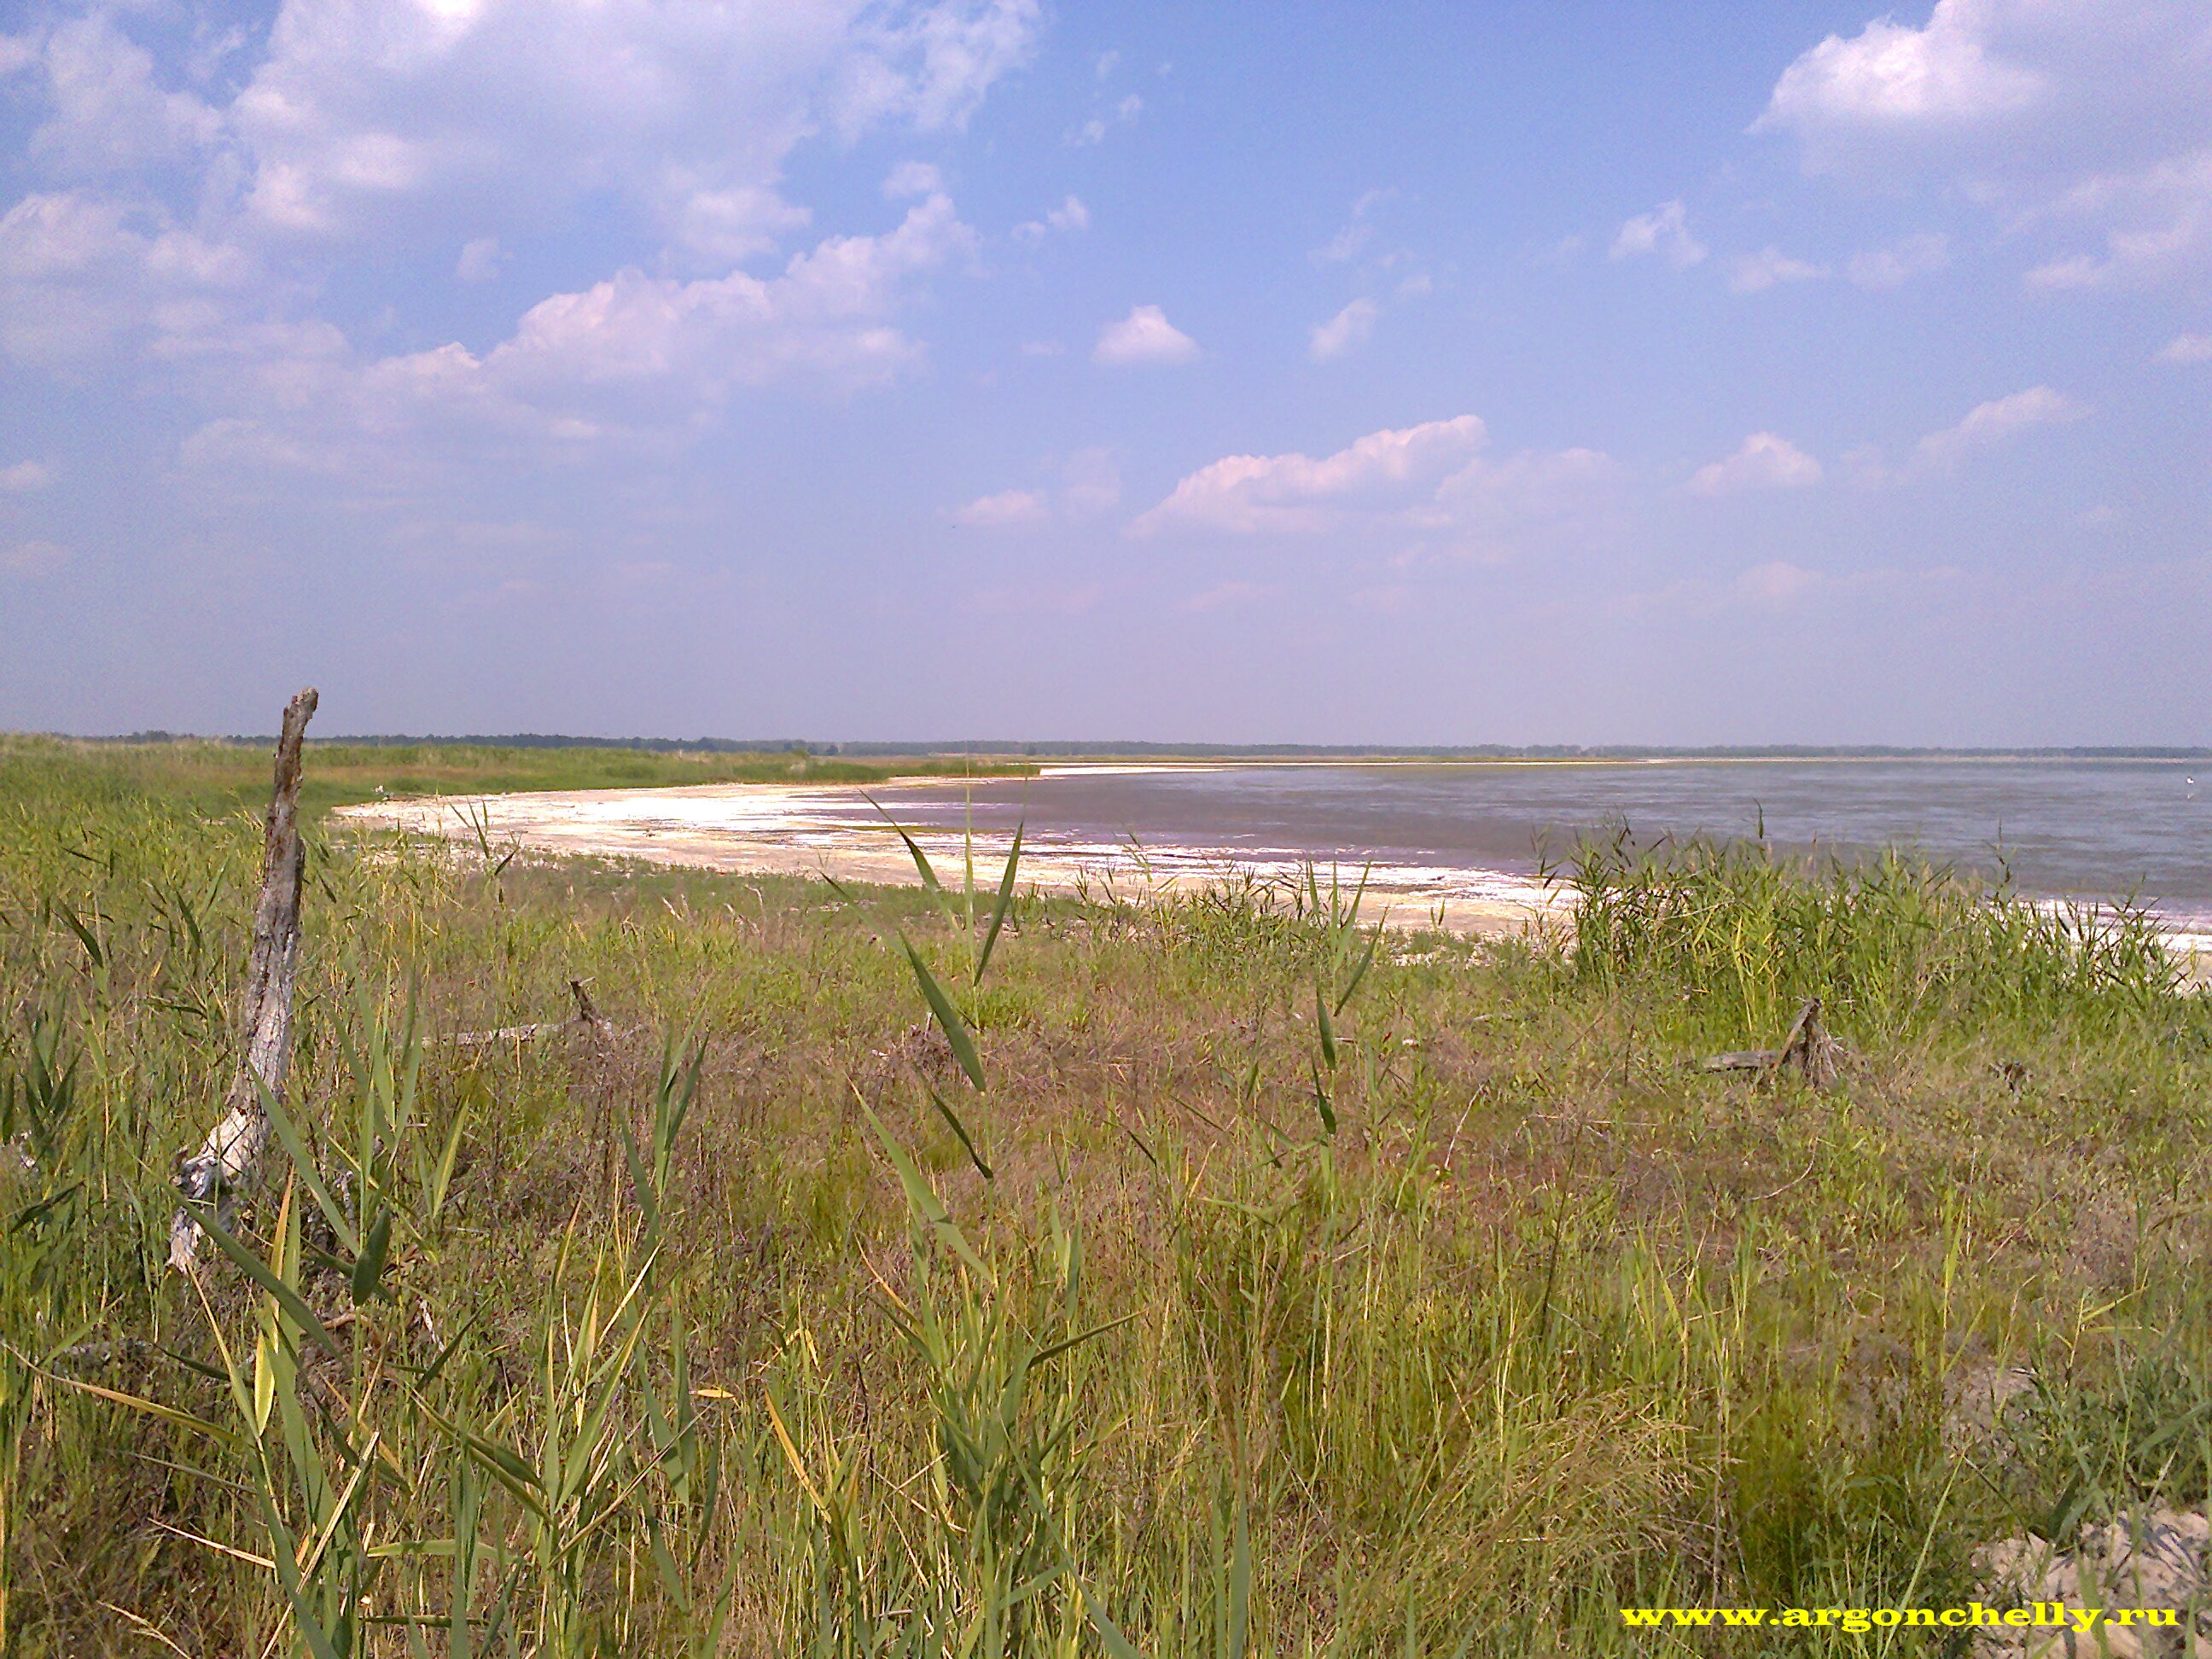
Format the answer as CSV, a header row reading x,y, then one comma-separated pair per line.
x,y
1425,372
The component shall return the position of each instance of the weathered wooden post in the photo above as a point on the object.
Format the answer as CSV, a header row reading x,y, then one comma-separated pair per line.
x,y
227,1156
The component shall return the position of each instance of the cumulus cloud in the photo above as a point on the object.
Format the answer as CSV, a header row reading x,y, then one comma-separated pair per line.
x,y
1993,423
1350,327
1987,425
1754,273
1430,483
368,120
1295,494
480,260
1765,461
1144,336
824,316
1358,230
1070,214
633,357
911,179
25,477
81,273
2165,230
2187,348
1918,255
1664,232
481,125
106,114
1094,130
1008,509
1892,78
1090,483
2052,114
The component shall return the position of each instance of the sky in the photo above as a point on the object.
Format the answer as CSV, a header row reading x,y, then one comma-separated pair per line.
x,y
1427,373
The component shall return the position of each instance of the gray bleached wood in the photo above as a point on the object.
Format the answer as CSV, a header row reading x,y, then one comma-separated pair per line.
x,y
588,1019
227,1156
1808,1047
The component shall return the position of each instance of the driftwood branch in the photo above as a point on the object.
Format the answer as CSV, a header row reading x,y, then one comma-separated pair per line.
x,y
227,1156
588,1019
1809,1049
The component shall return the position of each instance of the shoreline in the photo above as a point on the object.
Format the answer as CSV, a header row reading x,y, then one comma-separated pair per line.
x,y
809,830
790,830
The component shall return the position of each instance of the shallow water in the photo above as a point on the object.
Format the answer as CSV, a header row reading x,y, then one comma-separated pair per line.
x,y
2098,829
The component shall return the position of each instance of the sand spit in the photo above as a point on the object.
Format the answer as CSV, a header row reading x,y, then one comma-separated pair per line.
x,y
814,829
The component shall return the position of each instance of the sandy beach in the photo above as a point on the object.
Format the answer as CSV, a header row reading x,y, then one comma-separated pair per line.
x,y
832,830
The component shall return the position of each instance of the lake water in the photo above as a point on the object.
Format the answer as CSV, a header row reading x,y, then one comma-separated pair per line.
x,y
2101,828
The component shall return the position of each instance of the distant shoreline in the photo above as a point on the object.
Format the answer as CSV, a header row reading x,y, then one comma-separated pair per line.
x,y
783,828
808,830
1066,751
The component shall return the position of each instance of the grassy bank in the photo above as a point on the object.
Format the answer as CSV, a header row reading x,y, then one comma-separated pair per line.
x,y
214,777
1205,1279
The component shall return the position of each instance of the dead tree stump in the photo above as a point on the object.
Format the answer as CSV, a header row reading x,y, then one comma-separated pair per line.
x,y
225,1159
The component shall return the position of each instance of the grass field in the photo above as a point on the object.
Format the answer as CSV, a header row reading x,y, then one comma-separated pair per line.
x,y
1211,1278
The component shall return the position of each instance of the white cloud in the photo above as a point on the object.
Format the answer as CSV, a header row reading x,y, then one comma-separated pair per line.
x,y
1892,78
1008,509
2166,232
1986,426
2187,348
1090,484
1097,127
25,477
1991,424
107,114
1358,230
1277,494
79,273
1754,273
382,120
2093,112
31,560
911,179
1428,483
824,318
1144,336
480,260
1766,461
635,357
1894,266
929,65
1070,216
1664,231
1094,130
1348,328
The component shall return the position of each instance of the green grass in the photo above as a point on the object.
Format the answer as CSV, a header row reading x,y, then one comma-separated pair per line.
x,y
1323,1296
214,777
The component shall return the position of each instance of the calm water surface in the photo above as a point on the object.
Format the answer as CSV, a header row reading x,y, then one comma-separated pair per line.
x,y
2098,829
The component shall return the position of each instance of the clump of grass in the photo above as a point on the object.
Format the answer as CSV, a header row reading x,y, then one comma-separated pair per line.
x,y
1894,944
